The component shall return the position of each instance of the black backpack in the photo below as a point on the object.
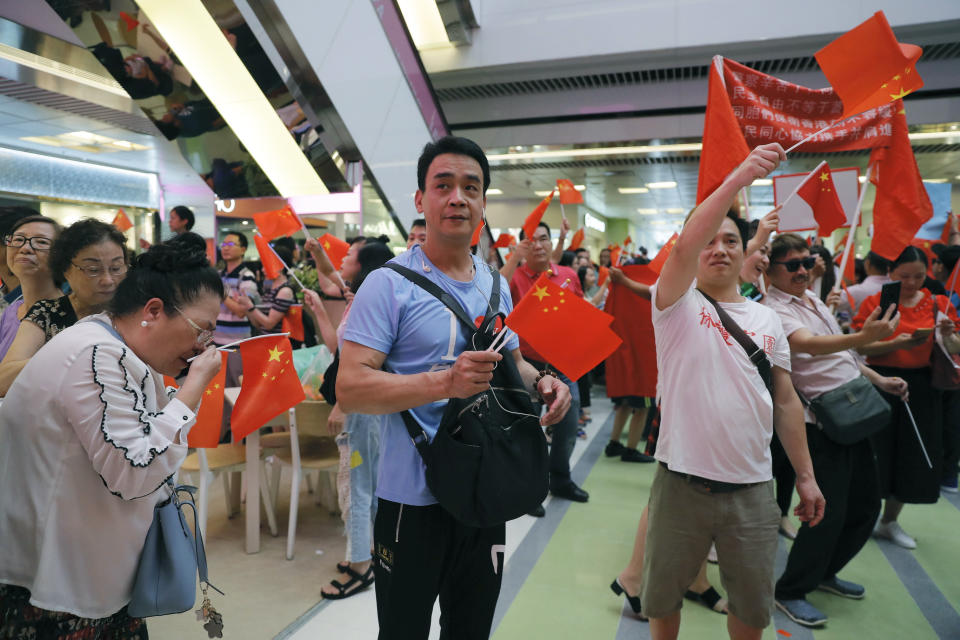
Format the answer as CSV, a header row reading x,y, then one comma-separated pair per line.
x,y
488,462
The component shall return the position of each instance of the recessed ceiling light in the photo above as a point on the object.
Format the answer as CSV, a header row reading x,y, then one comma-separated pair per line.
x,y
669,184
647,212
629,190
675,210
597,151
935,180
579,187
542,194
862,179
762,182
494,192
245,222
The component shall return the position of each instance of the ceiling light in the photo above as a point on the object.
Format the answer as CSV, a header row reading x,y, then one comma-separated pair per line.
x,y
598,151
424,22
245,222
494,192
647,212
669,184
762,182
935,180
927,135
675,210
374,200
629,190
579,187
86,142
61,70
543,194
198,43
862,179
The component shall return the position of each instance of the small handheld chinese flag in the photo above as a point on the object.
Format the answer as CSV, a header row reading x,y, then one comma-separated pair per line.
x,y
293,322
129,21
475,238
273,224
530,224
568,192
576,240
850,299
272,266
627,241
818,191
868,68
953,286
205,433
335,248
661,258
504,240
615,254
602,275
121,221
270,384
548,315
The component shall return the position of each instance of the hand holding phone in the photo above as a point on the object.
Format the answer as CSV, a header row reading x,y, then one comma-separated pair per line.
x,y
889,295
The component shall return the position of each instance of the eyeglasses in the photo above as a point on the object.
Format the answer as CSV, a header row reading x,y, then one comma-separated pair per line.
x,y
204,336
37,243
116,271
224,245
794,265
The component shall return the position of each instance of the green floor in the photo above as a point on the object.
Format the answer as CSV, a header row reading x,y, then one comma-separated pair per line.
x,y
567,594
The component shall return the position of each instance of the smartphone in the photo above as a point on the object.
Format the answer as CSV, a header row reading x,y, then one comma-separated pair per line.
x,y
889,295
922,333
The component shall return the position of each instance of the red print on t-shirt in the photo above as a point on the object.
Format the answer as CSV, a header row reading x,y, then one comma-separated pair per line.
x,y
769,343
707,320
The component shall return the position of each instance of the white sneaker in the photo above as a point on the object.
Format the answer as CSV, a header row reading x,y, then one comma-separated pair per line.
x,y
893,532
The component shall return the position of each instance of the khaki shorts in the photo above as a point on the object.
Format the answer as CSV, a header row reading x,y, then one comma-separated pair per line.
x,y
684,519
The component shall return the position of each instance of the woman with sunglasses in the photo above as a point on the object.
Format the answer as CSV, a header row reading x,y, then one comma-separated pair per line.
x,y
90,255
905,476
89,438
28,257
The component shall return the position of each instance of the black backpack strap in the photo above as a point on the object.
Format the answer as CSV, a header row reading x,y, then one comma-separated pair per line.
x,y
754,353
431,287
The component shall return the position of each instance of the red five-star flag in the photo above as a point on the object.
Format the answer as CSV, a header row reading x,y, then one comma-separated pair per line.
x,y
530,224
627,242
572,334
273,224
205,433
818,191
656,265
335,248
568,192
576,240
121,221
270,384
292,322
602,274
272,266
504,240
868,68
475,238
615,254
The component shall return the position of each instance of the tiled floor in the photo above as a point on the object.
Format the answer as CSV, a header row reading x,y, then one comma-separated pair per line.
x,y
558,571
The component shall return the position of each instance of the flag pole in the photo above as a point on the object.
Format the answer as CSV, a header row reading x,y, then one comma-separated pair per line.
x,y
227,346
816,133
906,406
562,214
746,203
287,267
852,236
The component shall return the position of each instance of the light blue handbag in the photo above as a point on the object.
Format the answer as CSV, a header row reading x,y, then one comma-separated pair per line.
x,y
171,559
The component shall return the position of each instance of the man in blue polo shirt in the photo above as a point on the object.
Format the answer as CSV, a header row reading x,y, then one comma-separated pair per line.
x,y
403,349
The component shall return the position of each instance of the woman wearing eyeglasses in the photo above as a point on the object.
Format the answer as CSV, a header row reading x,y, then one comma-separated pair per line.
x,y
90,255
88,438
28,257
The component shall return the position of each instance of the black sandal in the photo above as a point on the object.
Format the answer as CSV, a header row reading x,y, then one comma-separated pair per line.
x,y
634,601
363,580
709,598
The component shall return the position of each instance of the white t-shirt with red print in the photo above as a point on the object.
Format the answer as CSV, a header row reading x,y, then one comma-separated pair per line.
x,y
716,414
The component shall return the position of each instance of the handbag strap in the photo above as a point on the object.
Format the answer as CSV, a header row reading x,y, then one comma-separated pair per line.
x,y
420,439
754,353
200,553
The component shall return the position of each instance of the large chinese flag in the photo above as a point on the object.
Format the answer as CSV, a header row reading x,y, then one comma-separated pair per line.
x,y
868,68
205,433
121,221
631,370
902,204
656,265
724,147
549,315
576,240
292,322
335,248
818,191
272,266
270,384
504,240
273,224
568,192
530,224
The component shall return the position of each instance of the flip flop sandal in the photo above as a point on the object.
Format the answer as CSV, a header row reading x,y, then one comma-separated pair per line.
x,y
709,598
344,590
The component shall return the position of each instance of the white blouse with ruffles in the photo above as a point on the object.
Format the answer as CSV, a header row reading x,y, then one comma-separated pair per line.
x,y
87,439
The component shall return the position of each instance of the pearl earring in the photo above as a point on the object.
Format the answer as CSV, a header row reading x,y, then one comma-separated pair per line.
x,y
144,323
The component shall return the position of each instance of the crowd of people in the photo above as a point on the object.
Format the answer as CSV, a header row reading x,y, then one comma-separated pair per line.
x,y
748,331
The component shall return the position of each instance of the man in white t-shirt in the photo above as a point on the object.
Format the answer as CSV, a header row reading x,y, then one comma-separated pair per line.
x,y
714,482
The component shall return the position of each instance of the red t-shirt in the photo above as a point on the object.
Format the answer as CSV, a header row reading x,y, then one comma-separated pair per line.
x,y
523,279
919,316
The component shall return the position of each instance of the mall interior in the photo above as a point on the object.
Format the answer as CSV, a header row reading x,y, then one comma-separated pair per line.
x,y
238,107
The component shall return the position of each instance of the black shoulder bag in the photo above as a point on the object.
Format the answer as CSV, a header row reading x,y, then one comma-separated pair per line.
x,y
755,353
488,462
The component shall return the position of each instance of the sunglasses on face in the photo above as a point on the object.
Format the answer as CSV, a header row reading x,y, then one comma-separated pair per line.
x,y
794,265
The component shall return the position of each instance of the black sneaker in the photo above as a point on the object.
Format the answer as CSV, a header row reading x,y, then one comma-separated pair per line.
x,y
632,455
614,449
802,612
843,588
